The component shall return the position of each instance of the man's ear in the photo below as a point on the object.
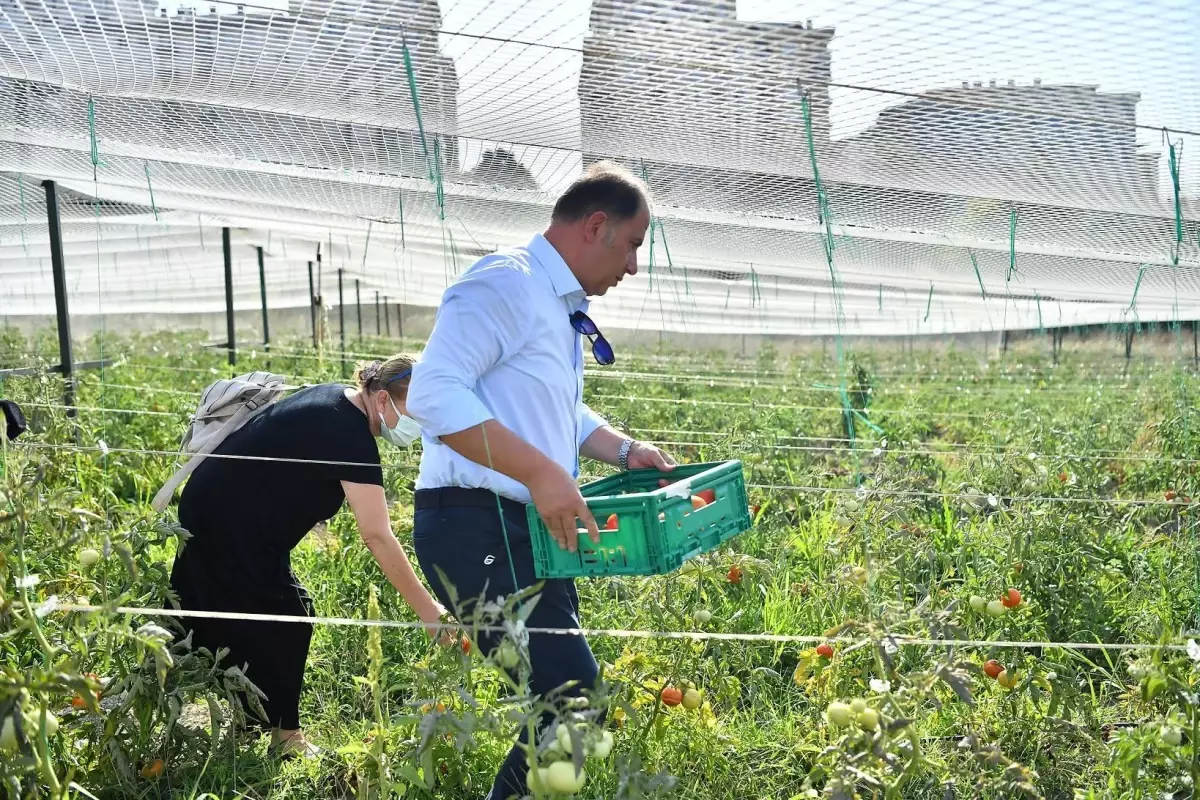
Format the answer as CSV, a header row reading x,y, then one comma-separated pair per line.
x,y
594,226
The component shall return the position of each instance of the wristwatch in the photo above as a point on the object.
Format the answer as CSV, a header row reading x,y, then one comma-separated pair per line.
x,y
623,454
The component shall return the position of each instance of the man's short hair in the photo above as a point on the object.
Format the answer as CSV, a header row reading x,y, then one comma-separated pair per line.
x,y
604,186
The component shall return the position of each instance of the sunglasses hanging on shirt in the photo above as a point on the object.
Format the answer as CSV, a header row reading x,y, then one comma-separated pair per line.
x,y
601,349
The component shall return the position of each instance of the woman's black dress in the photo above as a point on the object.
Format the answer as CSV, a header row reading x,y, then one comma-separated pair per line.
x,y
246,515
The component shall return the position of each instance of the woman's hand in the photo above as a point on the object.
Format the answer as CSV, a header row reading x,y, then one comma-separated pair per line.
x,y
370,510
446,633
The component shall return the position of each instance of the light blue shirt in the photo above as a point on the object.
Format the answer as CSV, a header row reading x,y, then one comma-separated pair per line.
x,y
503,348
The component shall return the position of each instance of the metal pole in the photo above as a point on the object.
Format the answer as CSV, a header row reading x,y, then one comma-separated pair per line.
x,y
66,356
378,321
358,306
262,285
231,341
400,320
387,319
342,321
312,304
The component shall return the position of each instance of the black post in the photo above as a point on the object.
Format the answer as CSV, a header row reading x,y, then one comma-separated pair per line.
x,y
400,320
342,321
358,306
378,321
262,285
1128,341
312,304
1004,341
231,341
387,319
66,356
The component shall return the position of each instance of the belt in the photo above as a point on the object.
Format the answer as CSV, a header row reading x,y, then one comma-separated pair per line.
x,y
451,496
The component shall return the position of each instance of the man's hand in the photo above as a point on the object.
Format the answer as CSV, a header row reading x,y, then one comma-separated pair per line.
x,y
647,456
559,502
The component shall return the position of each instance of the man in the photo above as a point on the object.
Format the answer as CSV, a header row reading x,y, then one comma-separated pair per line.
x,y
499,396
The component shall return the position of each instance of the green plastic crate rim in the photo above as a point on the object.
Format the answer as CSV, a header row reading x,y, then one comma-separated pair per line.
x,y
645,543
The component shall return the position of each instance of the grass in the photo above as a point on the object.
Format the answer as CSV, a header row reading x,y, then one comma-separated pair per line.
x,y
1052,479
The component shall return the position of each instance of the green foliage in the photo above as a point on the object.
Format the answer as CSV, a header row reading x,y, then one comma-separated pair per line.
x,y
1072,483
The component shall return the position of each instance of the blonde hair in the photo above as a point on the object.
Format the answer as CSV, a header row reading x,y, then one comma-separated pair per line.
x,y
392,374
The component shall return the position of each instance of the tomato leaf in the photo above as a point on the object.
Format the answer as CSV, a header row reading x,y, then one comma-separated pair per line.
x,y
957,680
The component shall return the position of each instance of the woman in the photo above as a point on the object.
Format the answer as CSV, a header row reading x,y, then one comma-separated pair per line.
x,y
246,514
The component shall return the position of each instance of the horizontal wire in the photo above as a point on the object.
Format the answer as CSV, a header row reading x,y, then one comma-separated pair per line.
x,y
778,638
701,401
962,383
1099,454
798,374
907,412
175,453
733,447
727,379
768,486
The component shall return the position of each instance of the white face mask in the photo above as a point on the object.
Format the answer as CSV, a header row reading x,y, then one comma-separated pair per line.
x,y
407,429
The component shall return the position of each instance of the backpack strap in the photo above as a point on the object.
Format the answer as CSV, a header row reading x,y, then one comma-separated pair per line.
x,y
164,494
269,390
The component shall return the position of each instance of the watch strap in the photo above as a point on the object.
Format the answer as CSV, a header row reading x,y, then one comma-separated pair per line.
x,y
623,454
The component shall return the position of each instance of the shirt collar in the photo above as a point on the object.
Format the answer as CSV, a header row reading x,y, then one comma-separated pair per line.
x,y
565,284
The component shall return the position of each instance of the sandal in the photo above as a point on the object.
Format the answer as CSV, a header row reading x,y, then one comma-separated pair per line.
x,y
296,747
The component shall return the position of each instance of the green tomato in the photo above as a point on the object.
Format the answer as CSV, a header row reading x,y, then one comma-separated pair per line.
x,y
562,778
88,556
859,575
702,616
603,747
858,705
8,736
995,609
839,714
564,737
978,604
692,699
507,655
33,721
852,505
1171,735
868,719
537,779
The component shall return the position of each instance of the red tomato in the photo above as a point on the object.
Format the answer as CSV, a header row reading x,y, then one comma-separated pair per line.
x,y
707,495
824,651
992,668
735,574
611,524
671,696
1011,598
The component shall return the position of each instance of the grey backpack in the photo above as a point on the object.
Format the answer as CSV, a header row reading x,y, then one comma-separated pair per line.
x,y
224,407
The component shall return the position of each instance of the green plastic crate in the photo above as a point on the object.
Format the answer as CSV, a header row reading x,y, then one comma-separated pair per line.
x,y
657,528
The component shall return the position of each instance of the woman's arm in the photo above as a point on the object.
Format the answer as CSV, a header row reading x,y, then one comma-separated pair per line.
x,y
369,505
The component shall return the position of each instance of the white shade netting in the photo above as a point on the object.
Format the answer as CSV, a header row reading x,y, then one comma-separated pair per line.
x,y
845,173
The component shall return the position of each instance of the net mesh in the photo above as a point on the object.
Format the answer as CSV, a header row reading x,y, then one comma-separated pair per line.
x,y
408,138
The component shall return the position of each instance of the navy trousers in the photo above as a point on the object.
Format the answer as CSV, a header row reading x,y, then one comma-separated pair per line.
x,y
459,531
